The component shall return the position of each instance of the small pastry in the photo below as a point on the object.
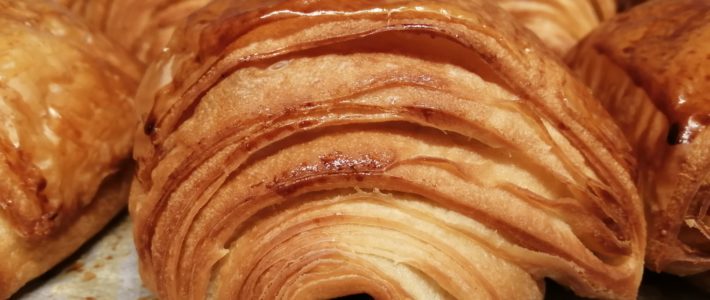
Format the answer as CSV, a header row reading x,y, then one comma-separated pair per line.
x,y
650,68
67,118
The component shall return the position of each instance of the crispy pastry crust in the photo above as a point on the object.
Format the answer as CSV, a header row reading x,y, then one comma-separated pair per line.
x,y
560,23
421,149
650,67
66,117
145,26
141,26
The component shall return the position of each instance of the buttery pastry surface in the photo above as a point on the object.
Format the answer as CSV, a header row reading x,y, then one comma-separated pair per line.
x,y
561,23
650,67
66,120
145,26
404,149
141,26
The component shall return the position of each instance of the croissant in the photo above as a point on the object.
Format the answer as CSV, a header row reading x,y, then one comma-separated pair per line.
x,y
650,67
560,23
67,119
401,149
141,26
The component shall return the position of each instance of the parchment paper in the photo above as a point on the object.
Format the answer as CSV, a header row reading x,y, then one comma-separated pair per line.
x,y
107,268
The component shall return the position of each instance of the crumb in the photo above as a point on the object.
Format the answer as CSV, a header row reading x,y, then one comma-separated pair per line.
x,y
88,276
110,257
75,267
98,265
116,243
89,298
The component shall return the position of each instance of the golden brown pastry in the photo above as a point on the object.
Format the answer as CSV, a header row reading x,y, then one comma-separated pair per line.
x,y
141,26
67,118
404,149
560,23
650,67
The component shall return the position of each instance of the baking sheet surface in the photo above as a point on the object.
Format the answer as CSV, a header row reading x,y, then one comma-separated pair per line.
x,y
107,268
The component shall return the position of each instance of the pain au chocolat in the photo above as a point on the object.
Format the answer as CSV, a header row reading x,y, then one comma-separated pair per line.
x,y
650,67
401,149
67,119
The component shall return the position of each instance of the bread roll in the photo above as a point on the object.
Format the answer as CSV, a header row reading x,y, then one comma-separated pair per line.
x,y
67,118
650,67
402,149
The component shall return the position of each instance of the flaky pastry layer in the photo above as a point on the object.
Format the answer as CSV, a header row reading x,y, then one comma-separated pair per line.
x,y
67,118
650,67
404,149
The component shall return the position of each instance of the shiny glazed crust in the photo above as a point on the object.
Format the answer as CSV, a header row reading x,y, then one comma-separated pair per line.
x,y
141,26
560,23
405,149
650,67
145,26
66,120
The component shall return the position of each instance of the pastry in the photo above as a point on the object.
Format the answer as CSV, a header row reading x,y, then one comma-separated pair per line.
x,y
141,26
650,67
560,23
401,149
67,119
